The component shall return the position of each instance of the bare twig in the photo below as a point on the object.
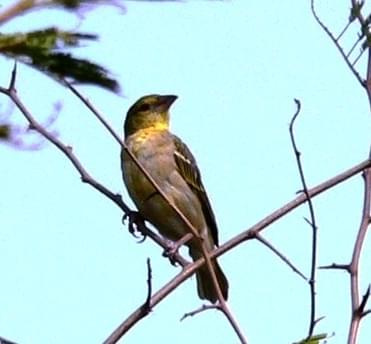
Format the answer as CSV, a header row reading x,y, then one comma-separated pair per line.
x,y
198,310
343,31
335,266
149,284
354,46
93,110
265,242
312,222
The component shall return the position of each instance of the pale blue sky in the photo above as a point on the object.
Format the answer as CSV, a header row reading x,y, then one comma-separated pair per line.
x,y
70,272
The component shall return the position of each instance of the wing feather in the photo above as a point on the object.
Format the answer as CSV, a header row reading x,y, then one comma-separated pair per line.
x,y
188,169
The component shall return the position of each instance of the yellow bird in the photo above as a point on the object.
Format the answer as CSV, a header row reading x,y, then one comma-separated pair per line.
x,y
172,166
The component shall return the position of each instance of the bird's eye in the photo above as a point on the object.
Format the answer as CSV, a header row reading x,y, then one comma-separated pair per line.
x,y
144,107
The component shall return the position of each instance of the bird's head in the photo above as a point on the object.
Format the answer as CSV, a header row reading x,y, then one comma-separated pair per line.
x,y
150,111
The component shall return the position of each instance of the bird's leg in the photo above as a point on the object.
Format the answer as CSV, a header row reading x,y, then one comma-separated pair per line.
x,y
174,247
136,219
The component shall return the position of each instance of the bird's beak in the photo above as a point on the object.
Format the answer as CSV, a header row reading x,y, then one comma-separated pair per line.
x,y
166,101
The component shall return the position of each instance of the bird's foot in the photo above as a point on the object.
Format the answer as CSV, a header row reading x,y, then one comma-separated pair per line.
x,y
135,222
173,247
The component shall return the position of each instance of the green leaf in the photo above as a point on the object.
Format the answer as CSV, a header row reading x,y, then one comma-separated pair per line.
x,y
313,340
42,50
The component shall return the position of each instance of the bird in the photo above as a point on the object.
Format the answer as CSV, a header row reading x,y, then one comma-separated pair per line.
x,y
173,168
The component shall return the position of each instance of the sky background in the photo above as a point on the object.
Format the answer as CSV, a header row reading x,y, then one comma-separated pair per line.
x,y
71,273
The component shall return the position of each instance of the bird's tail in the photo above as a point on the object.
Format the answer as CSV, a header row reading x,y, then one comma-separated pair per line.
x,y
205,286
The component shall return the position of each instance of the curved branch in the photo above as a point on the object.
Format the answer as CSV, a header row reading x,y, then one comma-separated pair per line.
x,y
358,306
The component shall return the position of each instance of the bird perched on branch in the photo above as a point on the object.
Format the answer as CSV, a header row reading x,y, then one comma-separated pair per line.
x,y
174,170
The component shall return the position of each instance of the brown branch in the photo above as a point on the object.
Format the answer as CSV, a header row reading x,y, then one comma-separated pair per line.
x,y
312,222
249,234
357,305
19,8
265,242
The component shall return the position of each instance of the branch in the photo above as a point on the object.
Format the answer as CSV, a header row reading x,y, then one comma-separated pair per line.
x,y
265,242
312,222
357,305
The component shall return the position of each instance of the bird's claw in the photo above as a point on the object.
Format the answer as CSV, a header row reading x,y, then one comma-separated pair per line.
x,y
135,221
171,251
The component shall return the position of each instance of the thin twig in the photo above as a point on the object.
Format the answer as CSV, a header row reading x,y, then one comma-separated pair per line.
x,y
335,266
93,110
358,57
354,46
343,31
265,242
198,310
312,222
149,284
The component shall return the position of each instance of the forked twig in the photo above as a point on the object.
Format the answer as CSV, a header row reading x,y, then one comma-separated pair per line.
x,y
265,242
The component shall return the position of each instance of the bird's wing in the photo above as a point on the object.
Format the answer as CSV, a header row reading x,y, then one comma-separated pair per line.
x,y
188,169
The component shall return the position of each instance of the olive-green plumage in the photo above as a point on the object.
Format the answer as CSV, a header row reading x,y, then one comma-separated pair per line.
x,y
172,166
